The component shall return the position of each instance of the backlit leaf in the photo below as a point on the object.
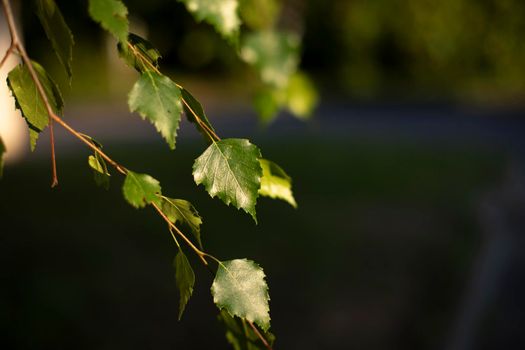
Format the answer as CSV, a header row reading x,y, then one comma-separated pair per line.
x,y
57,31
180,210
141,189
275,183
193,107
185,278
139,53
275,55
221,14
241,336
28,100
112,15
301,96
100,170
157,98
240,288
230,170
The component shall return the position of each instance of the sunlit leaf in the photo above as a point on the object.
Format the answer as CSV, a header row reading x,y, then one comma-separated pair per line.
x,y
112,15
275,183
57,31
221,14
139,53
230,170
274,54
241,336
28,100
157,98
240,288
185,278
180,210
196,115
141,189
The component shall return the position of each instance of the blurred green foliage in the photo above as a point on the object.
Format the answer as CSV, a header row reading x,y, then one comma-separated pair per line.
x,y
460,47
468,49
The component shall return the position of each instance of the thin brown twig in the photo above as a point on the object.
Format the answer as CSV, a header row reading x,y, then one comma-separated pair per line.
x,y
199,252
17,43
264,341
7,54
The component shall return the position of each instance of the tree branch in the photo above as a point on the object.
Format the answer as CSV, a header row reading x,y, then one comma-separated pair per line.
x,y
264,341
17,43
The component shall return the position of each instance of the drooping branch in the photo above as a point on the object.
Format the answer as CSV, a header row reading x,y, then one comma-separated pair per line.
x,y
16,43
18,47
211,134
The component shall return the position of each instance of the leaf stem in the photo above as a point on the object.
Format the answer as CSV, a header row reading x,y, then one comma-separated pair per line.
x,y
264,341
17,43
202,255
7,54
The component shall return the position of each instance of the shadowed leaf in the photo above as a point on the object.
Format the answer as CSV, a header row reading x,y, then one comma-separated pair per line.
x,y
141,55
57,31
241,336
185,278
183,211
191,107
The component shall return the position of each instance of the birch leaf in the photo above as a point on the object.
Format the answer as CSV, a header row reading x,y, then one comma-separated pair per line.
x,y
230,170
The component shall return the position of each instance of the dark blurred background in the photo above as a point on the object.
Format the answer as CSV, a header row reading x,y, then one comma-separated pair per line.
x,y
409,178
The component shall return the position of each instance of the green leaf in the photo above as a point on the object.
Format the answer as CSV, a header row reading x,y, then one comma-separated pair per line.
x,y
267,103
274,54
301,96
183,211
193,107
2,151
259,14
28,100
185,280
240,288
141,55
100,170
141,189
57,31
221,14
112,16
230,169
158,98
241,336
275,183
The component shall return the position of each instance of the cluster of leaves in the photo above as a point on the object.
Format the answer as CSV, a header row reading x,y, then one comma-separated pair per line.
x,y
274,53
231,169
